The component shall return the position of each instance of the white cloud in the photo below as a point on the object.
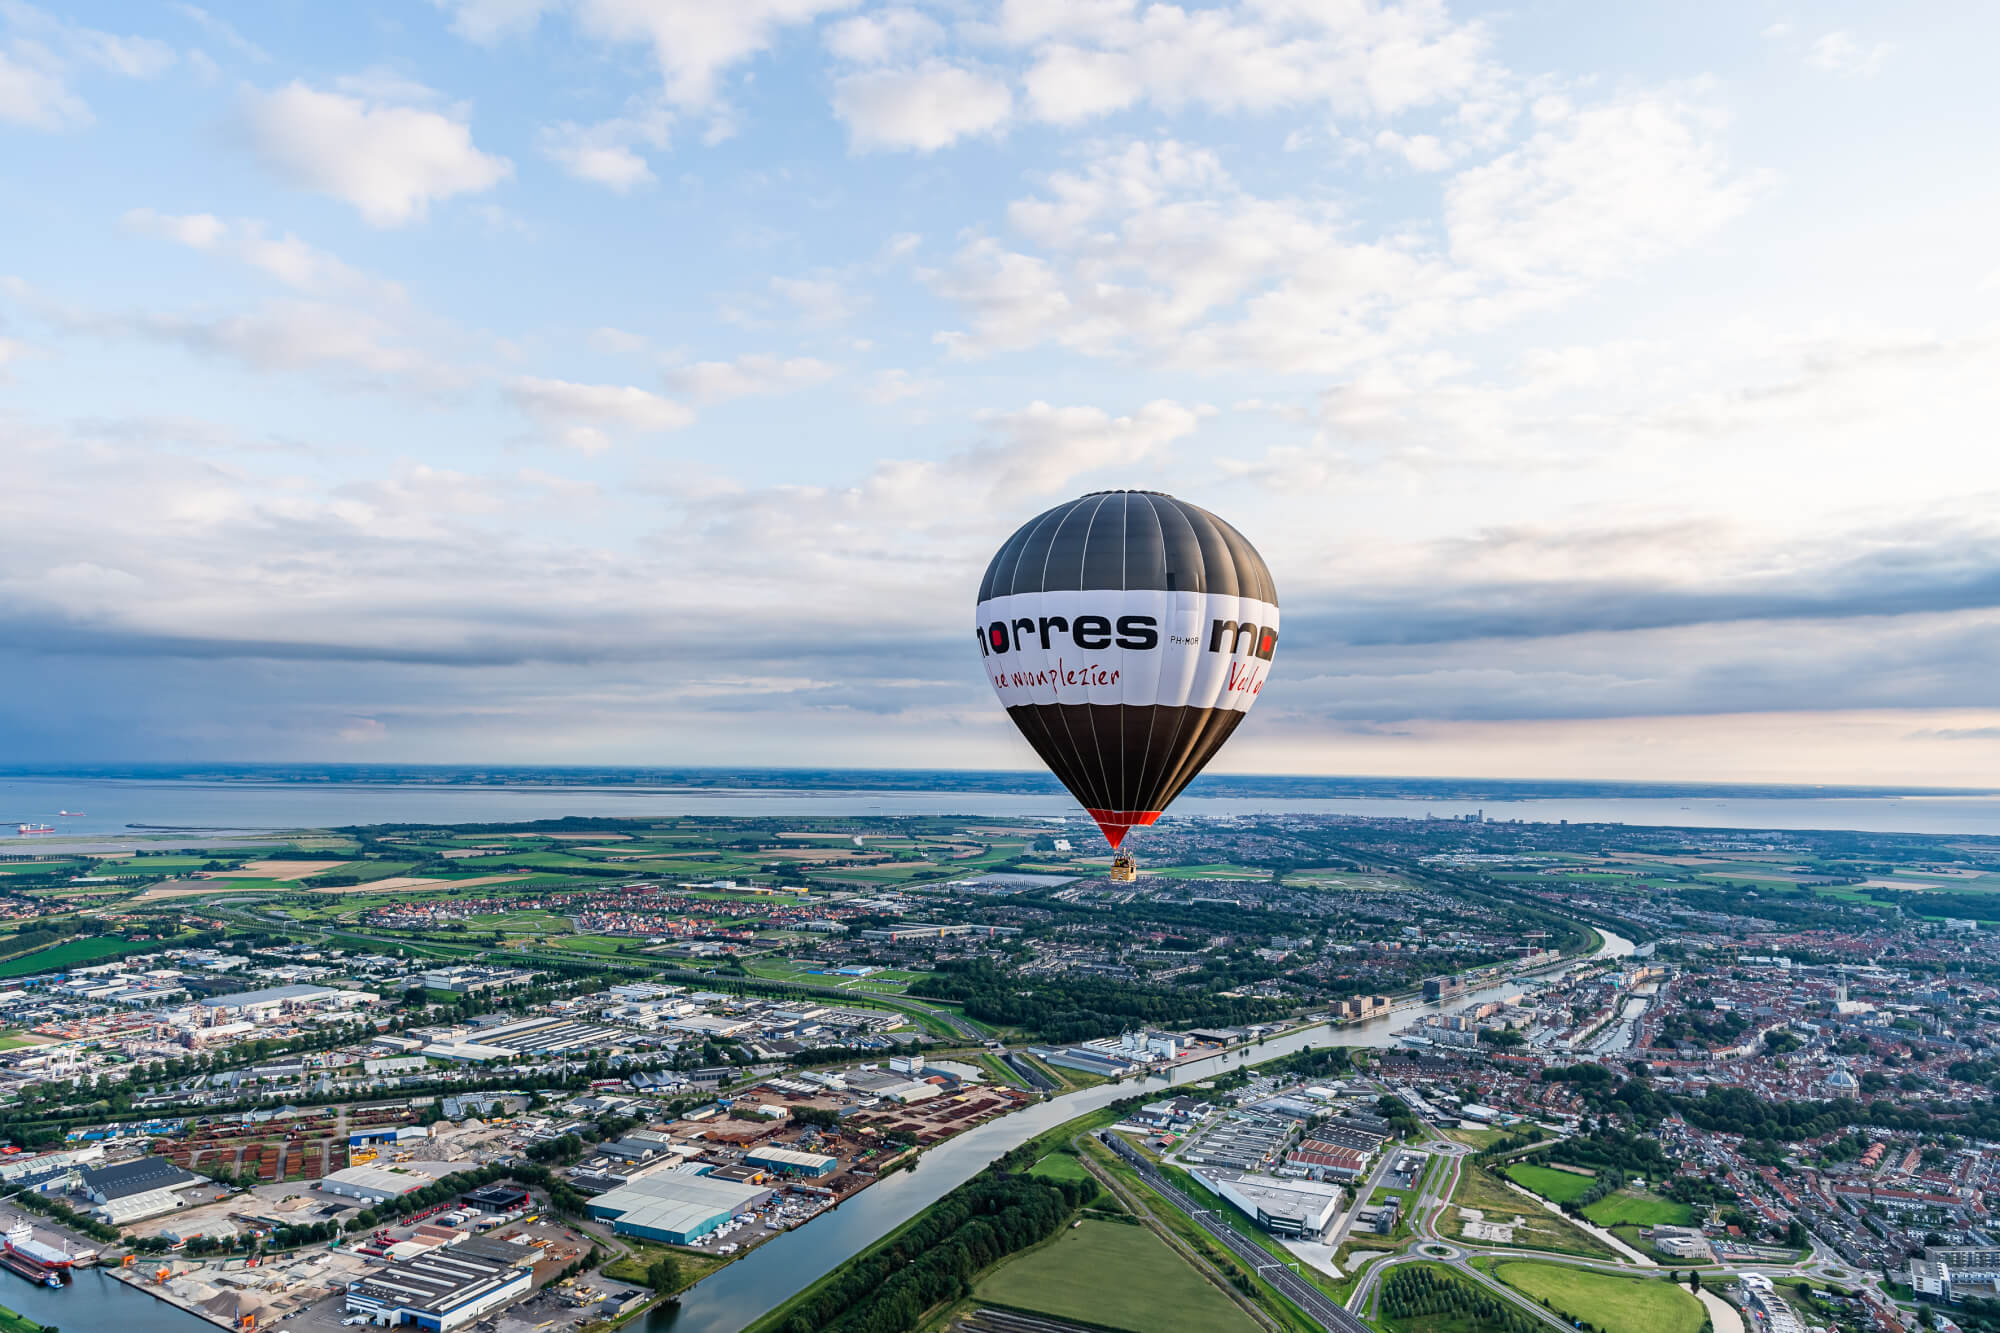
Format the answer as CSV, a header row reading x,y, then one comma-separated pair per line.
x,y
893,386
1596,191
222,31
926,108
1844,53
390,162
607,153
1423,152
299,336
1153,247
579,413
748,376
696,41
288,259
1093,58
487,21
36,96
819,301
39,54
884,36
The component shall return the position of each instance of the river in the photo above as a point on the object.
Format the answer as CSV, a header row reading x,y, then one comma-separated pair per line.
x,y
106,806
785,1265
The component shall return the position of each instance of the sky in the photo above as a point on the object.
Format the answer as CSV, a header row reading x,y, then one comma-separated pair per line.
x,y
1610,388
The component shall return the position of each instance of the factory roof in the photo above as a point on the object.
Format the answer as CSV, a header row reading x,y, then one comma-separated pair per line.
x,y
673,1201
269,995
443,1278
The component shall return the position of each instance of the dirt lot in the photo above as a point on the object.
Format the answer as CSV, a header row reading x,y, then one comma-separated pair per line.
x,y
403,882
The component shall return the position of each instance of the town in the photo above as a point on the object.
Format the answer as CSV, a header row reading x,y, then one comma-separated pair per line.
x,y
1320,1071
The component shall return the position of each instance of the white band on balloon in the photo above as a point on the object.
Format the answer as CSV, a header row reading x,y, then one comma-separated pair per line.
x,y
1143,647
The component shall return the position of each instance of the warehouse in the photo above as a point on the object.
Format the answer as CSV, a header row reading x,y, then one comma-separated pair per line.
x,y
256,1004
373,1183
674,1207
1281,1207
443,1289
787,1161
133,1191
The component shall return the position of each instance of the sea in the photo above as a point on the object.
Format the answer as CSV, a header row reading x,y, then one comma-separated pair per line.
x,y
115,808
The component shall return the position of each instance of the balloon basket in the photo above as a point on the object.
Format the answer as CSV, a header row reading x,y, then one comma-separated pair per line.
x,y
1124,870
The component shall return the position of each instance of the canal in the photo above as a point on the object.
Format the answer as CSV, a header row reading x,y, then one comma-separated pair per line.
x,y
785,1265
95,1300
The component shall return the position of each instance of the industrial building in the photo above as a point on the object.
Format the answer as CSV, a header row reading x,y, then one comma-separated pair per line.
x,y
133,1191
787,1161
674,1206
445,1288
1281,1207
274,1000
916,930
495,1198
372,1183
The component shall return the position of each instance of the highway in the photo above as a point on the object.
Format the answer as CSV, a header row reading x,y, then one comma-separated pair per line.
x,y
1316,1304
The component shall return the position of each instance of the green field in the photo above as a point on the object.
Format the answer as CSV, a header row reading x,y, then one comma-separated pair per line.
x,y
1613,1304
1113,1276
1646,1210
1060,1166
1560,1186
71,953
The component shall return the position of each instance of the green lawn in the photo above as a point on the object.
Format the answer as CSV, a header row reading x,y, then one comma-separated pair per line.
x,y
12,1321
1060,1166
1560,1186
1113,1276
1613,1304
1646,1210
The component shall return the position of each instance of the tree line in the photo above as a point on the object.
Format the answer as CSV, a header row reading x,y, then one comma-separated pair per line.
x,y
994,1214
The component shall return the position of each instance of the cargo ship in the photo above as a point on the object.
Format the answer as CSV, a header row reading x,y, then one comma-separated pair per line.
x,y
36,828
35,1260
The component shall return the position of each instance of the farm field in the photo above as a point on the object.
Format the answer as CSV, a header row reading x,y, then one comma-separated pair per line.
x,y
71,953
1115,1276
1560,1186
1613,1304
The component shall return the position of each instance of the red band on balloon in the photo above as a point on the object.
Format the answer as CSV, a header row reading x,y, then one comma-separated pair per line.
x,y
1117,823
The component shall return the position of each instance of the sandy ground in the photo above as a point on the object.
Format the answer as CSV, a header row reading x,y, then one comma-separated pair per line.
x,y
396,882
208,888
279,869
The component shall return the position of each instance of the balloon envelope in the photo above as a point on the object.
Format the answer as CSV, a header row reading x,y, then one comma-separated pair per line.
x,y
1127,633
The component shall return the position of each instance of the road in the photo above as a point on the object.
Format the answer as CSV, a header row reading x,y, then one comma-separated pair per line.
x,y
1316,1304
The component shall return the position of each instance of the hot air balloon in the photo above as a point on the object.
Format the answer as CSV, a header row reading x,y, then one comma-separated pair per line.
x,y
1127,633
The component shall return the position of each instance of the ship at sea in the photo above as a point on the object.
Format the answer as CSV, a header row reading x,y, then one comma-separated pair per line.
x,y
36,828
35,1260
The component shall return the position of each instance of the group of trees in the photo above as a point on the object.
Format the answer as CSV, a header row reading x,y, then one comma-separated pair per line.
x,y
1077,1008
887,1290
68,1216
1421,1289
